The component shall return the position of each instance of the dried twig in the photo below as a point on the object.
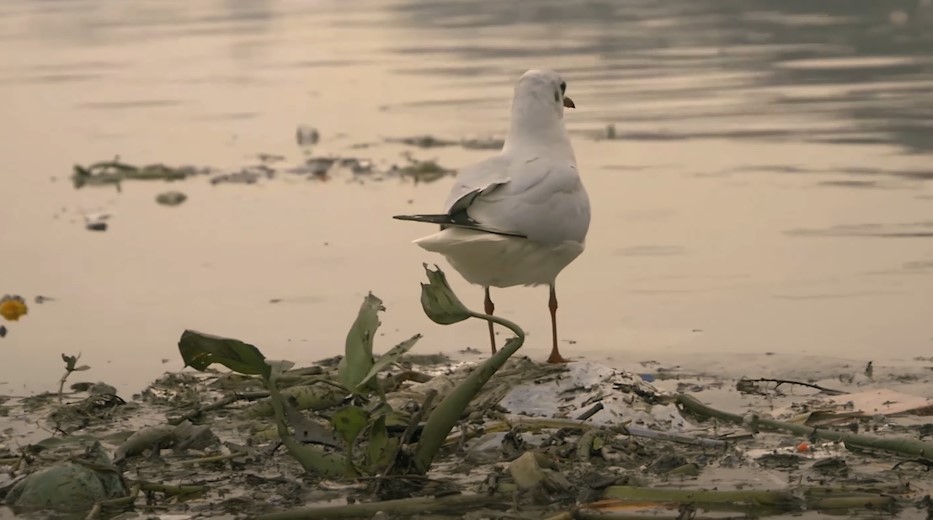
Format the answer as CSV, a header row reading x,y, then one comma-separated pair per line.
x,y
779,382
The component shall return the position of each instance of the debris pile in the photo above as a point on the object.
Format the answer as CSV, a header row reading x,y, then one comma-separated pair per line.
x,y
426,436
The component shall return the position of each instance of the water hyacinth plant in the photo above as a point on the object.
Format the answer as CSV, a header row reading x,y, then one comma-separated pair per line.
x,y
368,446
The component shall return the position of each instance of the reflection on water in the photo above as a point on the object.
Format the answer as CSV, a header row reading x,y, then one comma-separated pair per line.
x,y
765,185
837,72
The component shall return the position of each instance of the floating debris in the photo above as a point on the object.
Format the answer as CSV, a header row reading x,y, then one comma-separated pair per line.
x,y
270,158
471,143
423,171
247,175
114,172
314,167
307,135
12,307
319,166
423,141
96,221
356,165
482,143
171,198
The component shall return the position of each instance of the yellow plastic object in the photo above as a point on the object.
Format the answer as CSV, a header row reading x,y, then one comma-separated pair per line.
x,y
12,307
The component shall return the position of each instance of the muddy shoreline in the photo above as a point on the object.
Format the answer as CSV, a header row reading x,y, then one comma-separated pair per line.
x,y
581,440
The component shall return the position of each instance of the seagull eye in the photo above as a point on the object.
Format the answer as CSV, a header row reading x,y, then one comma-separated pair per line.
x,y
556,96
563,87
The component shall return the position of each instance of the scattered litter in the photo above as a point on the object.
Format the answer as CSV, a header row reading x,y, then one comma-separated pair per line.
x,y
422,141
422,171
482,143
861,404
306,135
114,172
357,166
12,307
171,198
319,166
470,143
270,158
247,175
409,434
96,221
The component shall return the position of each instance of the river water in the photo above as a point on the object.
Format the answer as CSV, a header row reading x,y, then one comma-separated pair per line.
x,y
768,189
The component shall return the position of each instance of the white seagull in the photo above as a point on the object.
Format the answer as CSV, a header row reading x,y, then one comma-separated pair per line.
x,y
520,217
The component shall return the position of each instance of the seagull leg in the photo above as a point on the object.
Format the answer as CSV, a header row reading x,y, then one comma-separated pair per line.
x,y
490,308
555,356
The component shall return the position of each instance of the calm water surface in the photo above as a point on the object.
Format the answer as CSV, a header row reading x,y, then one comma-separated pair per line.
x,y
768,188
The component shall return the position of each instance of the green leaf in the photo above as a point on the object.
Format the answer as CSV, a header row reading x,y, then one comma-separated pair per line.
x,y
358,356
200,351
439,301
349,422
388,358
380,448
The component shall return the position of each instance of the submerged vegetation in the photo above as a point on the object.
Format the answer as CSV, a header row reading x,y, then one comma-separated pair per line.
x,y
412,436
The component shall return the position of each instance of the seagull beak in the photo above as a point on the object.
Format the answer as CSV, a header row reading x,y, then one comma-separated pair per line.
x,y
569,102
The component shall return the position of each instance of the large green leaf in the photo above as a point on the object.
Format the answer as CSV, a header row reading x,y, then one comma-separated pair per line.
x,y
358,356
200,351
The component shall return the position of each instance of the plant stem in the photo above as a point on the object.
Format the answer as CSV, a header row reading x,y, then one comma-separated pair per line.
x,y
908,447
448,411
61,384
501,321
405,506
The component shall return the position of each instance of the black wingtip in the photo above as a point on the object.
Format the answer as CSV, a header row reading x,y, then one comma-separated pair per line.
x,y
458,220
429,219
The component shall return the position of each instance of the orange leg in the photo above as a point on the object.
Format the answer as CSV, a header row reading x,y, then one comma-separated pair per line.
x,y
555,356
489,307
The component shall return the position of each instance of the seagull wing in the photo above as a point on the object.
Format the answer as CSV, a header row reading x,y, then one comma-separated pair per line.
x,y
475,180
471,182
543,200
538,197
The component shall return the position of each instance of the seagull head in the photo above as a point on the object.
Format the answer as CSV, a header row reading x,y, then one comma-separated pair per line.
x,y
542,89
537,119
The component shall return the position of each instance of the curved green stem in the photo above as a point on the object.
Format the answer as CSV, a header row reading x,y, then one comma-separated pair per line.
x,y
449,410
501,321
